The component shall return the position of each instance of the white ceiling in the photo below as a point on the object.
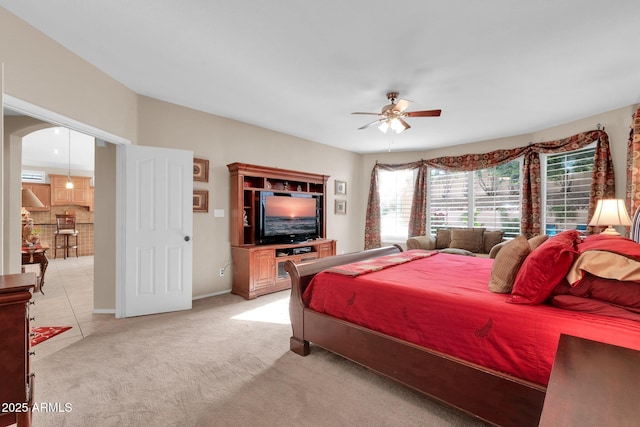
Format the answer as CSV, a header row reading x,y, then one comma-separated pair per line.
x,y
496,67
58,147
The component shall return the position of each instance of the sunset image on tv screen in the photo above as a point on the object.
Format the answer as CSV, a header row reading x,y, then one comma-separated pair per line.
x,y
290,216
291,207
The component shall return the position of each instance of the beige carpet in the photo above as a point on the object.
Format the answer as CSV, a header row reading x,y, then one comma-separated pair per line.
x,y
226,362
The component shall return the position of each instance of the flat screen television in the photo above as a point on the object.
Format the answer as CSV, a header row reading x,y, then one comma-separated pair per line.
x,y
288,217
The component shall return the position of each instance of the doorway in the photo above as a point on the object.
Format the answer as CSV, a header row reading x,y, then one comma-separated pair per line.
x,y
34,118
122,174
58,167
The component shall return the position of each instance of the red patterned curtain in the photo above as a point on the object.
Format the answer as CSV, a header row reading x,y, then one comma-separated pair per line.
x,y
633,164
418,218
530,209
372,223
602,186
418,207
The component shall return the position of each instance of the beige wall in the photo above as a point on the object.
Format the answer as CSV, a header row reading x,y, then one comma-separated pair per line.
x,y
104,229
223,141
40,71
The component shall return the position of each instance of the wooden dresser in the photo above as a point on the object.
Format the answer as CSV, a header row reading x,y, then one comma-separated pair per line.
x,y
16,384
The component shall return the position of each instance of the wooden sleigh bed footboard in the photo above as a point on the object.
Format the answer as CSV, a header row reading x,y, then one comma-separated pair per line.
x,y
492,396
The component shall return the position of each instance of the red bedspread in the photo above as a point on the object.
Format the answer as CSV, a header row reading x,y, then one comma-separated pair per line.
x,y
443,303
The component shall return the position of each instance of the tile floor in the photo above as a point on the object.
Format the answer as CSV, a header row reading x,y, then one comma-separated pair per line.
x,y
67,301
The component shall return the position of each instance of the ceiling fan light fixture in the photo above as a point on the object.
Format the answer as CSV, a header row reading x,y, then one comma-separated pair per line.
x,y
397,125
392,115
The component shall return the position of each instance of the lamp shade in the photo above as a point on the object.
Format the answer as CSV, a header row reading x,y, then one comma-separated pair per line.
x,y
610,212
30,200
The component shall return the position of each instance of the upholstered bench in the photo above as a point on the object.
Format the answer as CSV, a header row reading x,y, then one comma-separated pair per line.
x,y
474,241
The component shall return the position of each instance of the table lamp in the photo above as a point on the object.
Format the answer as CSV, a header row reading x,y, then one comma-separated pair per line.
x,y
610,212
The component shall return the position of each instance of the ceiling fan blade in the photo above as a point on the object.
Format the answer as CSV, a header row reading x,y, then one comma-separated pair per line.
x,y
402,105
372,123
374,114
426,113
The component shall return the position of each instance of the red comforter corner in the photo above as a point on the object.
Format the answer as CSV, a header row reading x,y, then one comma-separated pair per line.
x,y
443,303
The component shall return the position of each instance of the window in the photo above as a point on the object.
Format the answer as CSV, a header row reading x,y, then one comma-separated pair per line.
x,y
396,195
487,198
566,189
33,176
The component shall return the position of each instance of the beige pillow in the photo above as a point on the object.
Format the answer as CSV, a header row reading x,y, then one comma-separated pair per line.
x,y
443,238
492,238
536,241
469,239
507,263
494,250
455,251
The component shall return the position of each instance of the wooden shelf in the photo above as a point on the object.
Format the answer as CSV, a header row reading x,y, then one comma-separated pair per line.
x,y
246,183
258,268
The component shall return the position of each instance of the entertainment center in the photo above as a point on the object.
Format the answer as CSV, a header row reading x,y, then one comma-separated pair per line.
x,y
276,215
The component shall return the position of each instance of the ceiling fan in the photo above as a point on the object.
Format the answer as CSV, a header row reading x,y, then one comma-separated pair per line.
x,y
392,115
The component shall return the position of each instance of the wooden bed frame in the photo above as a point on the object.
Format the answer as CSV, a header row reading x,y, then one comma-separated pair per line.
x,y
489,395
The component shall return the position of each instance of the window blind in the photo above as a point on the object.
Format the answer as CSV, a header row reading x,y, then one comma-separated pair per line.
x,y
568,186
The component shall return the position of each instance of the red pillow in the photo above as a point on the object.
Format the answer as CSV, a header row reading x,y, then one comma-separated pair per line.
x,y
620,292
572,235
544,269
593,306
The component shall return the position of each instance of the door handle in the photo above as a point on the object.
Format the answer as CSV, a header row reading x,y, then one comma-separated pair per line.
x,y
187,238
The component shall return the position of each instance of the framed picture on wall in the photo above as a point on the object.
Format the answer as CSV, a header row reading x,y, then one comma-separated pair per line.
x,y
341,187
201,200
341,207
201,170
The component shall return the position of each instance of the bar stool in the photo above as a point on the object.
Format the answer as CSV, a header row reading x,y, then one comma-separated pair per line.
x,y
66,229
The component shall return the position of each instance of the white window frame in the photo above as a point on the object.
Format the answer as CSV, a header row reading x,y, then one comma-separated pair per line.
x,y
543,183
393,238
33,176
471,195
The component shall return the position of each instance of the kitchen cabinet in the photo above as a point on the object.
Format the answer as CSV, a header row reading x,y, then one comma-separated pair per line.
x,y
79,195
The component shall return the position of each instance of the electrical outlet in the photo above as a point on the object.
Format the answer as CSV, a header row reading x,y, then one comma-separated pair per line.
x,y
221,272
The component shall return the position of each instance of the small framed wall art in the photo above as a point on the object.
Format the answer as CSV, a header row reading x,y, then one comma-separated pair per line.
x,y
200,170
341,187
201,200
341,207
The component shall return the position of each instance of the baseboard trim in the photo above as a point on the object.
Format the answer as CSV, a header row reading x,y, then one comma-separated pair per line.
x,y
113,311
212,294
104,311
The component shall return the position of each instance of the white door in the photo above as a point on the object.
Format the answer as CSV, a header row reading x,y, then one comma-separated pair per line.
x,y
158,222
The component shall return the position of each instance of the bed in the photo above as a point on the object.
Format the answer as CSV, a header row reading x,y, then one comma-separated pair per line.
x,y
463,359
